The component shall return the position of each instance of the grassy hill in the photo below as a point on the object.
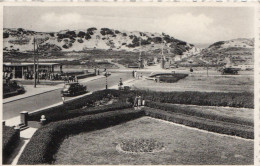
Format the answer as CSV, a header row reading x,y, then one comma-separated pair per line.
x,y
21,40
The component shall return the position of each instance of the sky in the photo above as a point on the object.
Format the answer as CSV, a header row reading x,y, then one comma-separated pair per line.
x,y
197,25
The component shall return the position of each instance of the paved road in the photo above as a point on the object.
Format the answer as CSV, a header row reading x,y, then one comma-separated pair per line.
x,y
13,109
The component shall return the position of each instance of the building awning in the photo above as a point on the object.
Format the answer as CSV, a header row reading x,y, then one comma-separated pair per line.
x,y
30,64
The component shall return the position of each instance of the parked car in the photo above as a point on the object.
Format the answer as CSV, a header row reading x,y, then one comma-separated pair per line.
x,y
72,89
229,70
12,88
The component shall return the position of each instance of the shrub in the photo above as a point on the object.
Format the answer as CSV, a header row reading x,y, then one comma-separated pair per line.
x,y
65,46
117,31
46,140
87,37
80,41
205,124
81,34
91,29
124,34
106,31
11,138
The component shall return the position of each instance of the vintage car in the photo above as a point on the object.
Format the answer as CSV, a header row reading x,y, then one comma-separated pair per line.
x,y
12,88
72,89
229,70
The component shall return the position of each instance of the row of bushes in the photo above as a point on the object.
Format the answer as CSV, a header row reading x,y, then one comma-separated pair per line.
x,y
58,115
202,123
11,138
198,113
46,140
173,78
244,99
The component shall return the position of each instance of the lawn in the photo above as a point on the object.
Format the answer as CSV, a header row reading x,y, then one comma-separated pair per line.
x,y
182,145
202,83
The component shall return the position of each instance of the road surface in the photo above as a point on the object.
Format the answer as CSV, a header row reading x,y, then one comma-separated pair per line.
x,y
29,104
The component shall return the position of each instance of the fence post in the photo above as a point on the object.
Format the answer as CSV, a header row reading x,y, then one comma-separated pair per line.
x,y
24,117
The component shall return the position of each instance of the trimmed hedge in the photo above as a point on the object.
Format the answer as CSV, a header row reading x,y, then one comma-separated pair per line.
x,y
244,99
46,140
58,115
172,78
207,115
11,138
202,123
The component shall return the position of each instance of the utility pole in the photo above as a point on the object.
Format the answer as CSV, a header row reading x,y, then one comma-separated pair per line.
x,y
34,65
38,79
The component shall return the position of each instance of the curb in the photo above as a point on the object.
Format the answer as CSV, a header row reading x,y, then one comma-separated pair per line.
x,y
29,96
43,92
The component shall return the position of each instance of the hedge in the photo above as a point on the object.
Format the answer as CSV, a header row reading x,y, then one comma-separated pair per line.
x,y
172,78
244,99
207,115
46,140
202,123
68,114
11,138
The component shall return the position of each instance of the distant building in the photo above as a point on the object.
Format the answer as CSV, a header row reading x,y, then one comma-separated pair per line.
x,y
20,69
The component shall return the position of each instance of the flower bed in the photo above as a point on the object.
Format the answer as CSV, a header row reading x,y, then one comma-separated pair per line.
x,y
140,146
11,138
66,109
61,114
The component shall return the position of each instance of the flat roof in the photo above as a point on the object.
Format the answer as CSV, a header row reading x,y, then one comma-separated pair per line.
x,y
29,64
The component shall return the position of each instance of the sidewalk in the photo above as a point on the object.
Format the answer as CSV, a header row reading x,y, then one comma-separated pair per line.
x,y
26,134
40,89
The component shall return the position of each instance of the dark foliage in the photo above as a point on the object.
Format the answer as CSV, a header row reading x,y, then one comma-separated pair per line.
x,y
80,41
87,37
117,31
11,138
172,78
106,31
81,34
5,35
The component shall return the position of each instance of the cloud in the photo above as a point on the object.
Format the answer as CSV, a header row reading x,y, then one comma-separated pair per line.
x,y
58,22
194,29
188,27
